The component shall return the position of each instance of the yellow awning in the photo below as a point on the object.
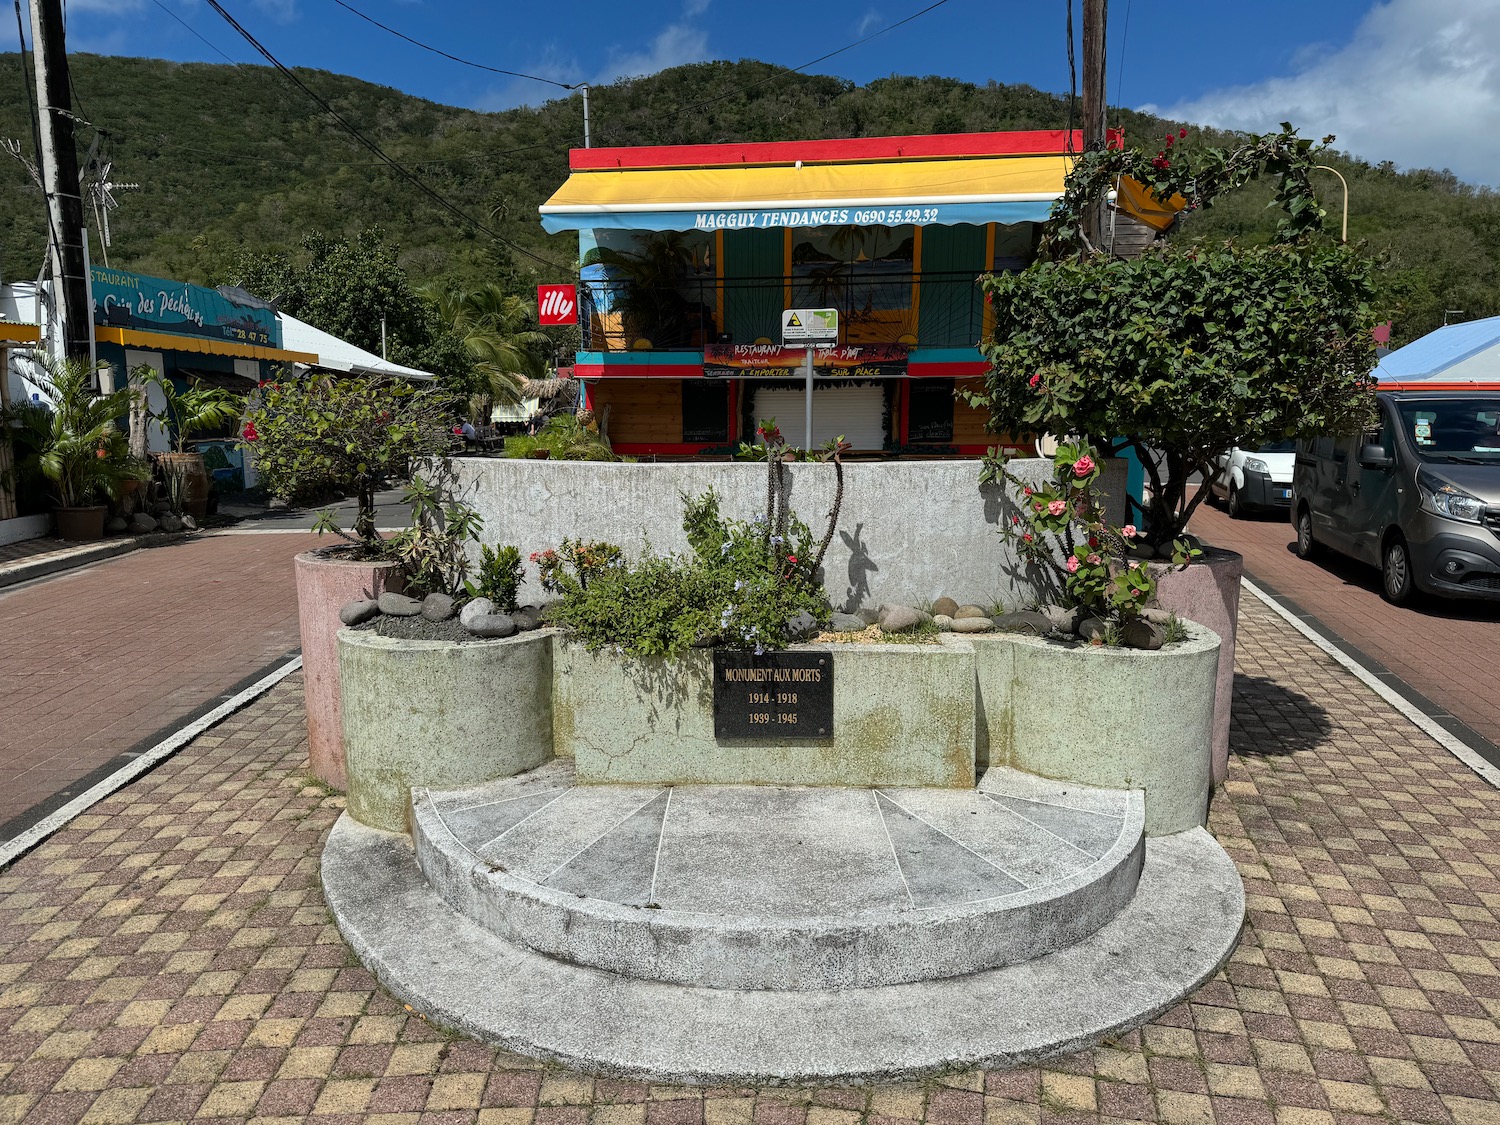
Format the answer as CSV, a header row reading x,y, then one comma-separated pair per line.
x,y
12,333
1139,202
1005,189
167,342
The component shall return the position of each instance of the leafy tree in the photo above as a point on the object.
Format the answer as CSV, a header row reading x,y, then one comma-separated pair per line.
x,y
1186,350
316,434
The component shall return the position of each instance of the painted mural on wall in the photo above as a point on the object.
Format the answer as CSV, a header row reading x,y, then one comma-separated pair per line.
x,y
152,304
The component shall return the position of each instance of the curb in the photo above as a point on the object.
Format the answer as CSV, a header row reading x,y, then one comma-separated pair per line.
x,y
71,558
1419,718
14,848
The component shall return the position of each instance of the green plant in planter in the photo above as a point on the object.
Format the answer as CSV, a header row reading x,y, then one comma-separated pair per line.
x,y
499,577
565,437
192,410
315,435
1063,530
1188,349
433,550
741,587
77,445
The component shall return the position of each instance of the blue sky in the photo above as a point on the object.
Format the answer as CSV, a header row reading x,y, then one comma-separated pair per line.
x,y
1415,81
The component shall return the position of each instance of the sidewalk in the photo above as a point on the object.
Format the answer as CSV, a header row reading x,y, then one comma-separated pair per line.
x,y
168,957
100,662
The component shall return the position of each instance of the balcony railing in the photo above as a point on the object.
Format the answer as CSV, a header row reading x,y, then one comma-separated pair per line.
x,y
918,309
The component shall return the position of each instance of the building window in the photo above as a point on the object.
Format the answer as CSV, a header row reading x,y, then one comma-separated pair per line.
x,y
705,411
930,416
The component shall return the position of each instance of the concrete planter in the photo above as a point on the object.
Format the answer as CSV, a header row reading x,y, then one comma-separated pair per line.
x,y
903,715
1113,717
324,584
439,714
1208,592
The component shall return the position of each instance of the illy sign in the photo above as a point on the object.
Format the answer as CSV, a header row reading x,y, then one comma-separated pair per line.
x,y
556,304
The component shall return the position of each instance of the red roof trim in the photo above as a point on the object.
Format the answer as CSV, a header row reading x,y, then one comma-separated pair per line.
x,y
856,149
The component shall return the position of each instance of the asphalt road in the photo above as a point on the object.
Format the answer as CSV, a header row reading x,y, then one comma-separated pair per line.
x,y
1442,654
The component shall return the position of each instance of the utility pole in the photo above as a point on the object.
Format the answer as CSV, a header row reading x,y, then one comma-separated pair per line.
x,y
1095,16
60,177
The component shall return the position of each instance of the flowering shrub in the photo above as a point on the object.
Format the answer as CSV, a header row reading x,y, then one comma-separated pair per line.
x,y
741,587
1064,530
315,435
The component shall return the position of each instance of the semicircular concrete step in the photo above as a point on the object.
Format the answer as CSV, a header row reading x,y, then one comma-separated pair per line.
x,y
747,887
1179,929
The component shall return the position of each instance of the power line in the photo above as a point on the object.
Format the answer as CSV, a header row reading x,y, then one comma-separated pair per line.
x,y
1120,64
193,30
416,181
438,51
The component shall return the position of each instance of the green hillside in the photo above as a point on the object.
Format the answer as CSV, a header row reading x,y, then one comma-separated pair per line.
x,y
233,159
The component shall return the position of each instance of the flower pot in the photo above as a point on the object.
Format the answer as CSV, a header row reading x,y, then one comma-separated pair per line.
x,y
541,454
324,584
1208,592
81,523
130,496
195,491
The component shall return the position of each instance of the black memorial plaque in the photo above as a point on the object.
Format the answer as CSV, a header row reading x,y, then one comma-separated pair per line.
x,y
777,695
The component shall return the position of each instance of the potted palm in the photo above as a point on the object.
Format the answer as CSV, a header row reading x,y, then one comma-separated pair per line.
x,y
76,445
189,411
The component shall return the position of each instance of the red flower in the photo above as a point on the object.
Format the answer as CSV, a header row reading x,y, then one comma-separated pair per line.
x,y
1160,163
791,558
1035,379
1028,490
1093,542
249,433
1171,137
1026,538
458,430
1182,132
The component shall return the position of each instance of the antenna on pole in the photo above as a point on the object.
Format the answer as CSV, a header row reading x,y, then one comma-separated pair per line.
x,y
584,87
101,196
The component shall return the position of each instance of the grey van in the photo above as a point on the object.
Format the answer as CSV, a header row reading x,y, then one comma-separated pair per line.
x,y
1419,496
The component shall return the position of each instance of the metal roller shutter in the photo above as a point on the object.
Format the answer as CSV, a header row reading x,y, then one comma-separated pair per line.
x,y
856,412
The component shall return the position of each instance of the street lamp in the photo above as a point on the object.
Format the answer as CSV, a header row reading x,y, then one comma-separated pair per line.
x,y
1344,237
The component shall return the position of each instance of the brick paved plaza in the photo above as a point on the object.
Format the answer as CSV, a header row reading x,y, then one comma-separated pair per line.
x,y
168,956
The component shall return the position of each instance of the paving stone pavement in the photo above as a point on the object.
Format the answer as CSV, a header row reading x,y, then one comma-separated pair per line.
x,y
168,957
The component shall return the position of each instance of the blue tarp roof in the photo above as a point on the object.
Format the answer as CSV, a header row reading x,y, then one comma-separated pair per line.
x,y
1434,353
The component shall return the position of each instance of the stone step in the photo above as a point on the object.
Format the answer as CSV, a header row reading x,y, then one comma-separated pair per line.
x,y
1178,930
754,887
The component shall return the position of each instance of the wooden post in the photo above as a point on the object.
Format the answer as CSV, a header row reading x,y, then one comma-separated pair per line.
x,y
69,257
1095,16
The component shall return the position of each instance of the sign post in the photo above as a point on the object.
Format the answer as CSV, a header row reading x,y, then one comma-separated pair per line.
x,y
812,327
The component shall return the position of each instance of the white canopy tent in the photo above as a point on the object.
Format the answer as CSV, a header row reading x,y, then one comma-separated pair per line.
x,y
340,355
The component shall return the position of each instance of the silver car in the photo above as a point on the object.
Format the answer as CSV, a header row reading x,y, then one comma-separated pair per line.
x,y
1419,497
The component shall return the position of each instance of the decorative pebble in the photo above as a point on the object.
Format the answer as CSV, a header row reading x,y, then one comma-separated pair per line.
x,y
360,611
399,605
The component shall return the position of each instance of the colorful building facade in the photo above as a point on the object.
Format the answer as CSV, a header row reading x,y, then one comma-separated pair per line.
x,y
691,253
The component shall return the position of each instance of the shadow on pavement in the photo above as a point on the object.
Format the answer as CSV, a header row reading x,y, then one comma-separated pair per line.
x,y
1270,719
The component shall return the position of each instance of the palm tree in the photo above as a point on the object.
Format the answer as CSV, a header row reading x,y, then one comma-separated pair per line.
x,y
76,444
494,327
655,274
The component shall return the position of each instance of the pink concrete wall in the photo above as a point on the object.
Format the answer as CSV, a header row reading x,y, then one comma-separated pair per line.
x,y
324,585
1208,592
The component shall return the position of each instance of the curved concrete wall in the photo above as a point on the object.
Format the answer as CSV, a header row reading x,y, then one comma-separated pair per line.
x,y
909,530
324,584
439,714
1113,717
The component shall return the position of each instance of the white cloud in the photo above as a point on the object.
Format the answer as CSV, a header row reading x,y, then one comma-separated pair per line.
x,y
282,11
1419,83
674,45
868,23
691,8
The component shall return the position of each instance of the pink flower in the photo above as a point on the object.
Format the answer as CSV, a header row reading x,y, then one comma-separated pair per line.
x,y
1057,507
1015,519
1072,564
1026,538
1093,560
1028,490
1083,466
1128,531
1135,566
1039,506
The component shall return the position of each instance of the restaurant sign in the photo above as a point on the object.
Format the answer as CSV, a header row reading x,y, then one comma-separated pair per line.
x,y
152,304
832,361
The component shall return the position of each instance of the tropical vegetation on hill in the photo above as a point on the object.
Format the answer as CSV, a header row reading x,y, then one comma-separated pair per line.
x,y
231,161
